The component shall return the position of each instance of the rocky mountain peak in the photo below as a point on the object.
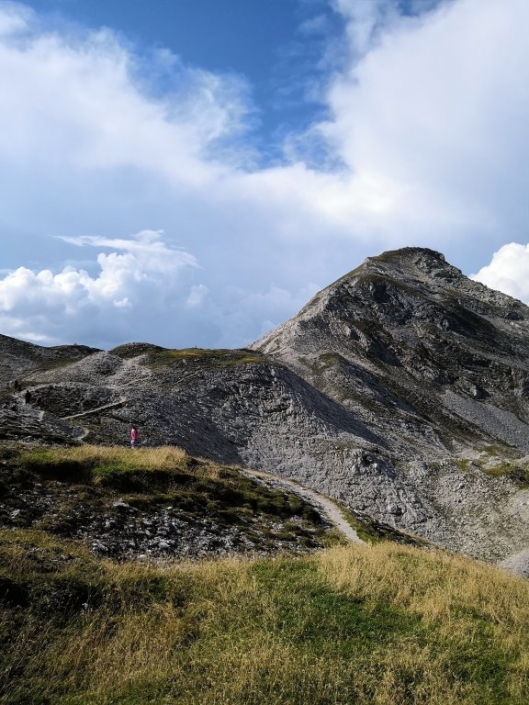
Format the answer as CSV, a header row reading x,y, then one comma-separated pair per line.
x,y
412,287
406,335
411,257
379,392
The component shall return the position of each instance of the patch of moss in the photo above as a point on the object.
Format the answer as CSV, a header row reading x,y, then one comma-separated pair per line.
x,y
131,350
517,473
494,450
213,358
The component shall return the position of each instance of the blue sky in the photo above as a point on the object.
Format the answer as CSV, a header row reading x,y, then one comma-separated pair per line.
x,y
191,172
280,48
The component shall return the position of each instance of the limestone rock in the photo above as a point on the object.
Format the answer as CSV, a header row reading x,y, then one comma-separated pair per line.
x,y
402,389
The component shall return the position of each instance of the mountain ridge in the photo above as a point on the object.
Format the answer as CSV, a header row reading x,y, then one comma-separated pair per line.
x,y
400,390
384,323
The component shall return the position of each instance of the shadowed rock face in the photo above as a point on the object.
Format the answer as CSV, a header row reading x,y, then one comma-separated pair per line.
x,y
401,389
435,361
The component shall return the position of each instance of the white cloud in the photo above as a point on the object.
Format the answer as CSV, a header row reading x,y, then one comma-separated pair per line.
x,y
508,271
365,20
197,296
428,119
14,18
86,101
147,252
432,112
142,275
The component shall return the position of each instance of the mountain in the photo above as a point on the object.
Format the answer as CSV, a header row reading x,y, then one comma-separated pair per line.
x,y
401,390
430,359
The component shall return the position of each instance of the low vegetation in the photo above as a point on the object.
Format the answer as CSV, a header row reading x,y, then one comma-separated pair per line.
x,y
212,358
379,624
515,470
373,625
76,491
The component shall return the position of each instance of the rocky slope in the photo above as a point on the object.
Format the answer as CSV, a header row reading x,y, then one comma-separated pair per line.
x,y
157,505
400,390
432,360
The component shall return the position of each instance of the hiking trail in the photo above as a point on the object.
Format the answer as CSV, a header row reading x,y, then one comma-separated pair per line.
x,y
328,508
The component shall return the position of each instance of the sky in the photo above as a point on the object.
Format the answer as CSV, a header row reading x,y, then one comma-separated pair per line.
x,y
191,172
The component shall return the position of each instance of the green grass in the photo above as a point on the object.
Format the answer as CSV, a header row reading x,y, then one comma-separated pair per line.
x,y
381,624
160,357
213,358
498,463
373,625
519,474
162,470
87,480
131,350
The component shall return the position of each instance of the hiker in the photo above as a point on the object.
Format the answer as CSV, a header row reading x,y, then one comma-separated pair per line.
x,y
27,396
133,436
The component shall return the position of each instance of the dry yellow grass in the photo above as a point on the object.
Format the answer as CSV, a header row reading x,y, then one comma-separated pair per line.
x,y
465,602
380,625
370,625
163,457
443,585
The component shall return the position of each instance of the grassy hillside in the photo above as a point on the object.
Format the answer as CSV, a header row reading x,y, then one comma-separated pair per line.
x,y
375,625
378,624
151,503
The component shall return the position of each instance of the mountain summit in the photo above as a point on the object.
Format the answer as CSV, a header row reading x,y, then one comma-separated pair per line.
x,y
401,390
430,359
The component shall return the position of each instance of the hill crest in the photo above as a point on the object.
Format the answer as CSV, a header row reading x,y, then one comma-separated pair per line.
x,y
393,386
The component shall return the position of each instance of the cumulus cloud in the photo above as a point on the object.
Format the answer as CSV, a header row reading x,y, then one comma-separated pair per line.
x,y
89,100
427,117
508,271
146,253
14,18
142,274
427,126
425,142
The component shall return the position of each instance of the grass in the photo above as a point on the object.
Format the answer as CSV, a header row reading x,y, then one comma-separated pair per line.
x,y
101,460
64,490
514,471
160,357
153,470
498,464
214,358
131,350
378,624
375,625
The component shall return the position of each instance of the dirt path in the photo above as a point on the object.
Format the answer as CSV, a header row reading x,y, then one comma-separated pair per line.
x,y
326,506
114,405
85,429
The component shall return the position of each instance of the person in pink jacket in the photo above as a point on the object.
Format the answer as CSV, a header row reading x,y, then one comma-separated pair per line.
x,y
133,436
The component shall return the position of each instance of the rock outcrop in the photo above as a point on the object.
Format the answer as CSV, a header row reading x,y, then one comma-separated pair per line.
x,y
402,390
430,359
